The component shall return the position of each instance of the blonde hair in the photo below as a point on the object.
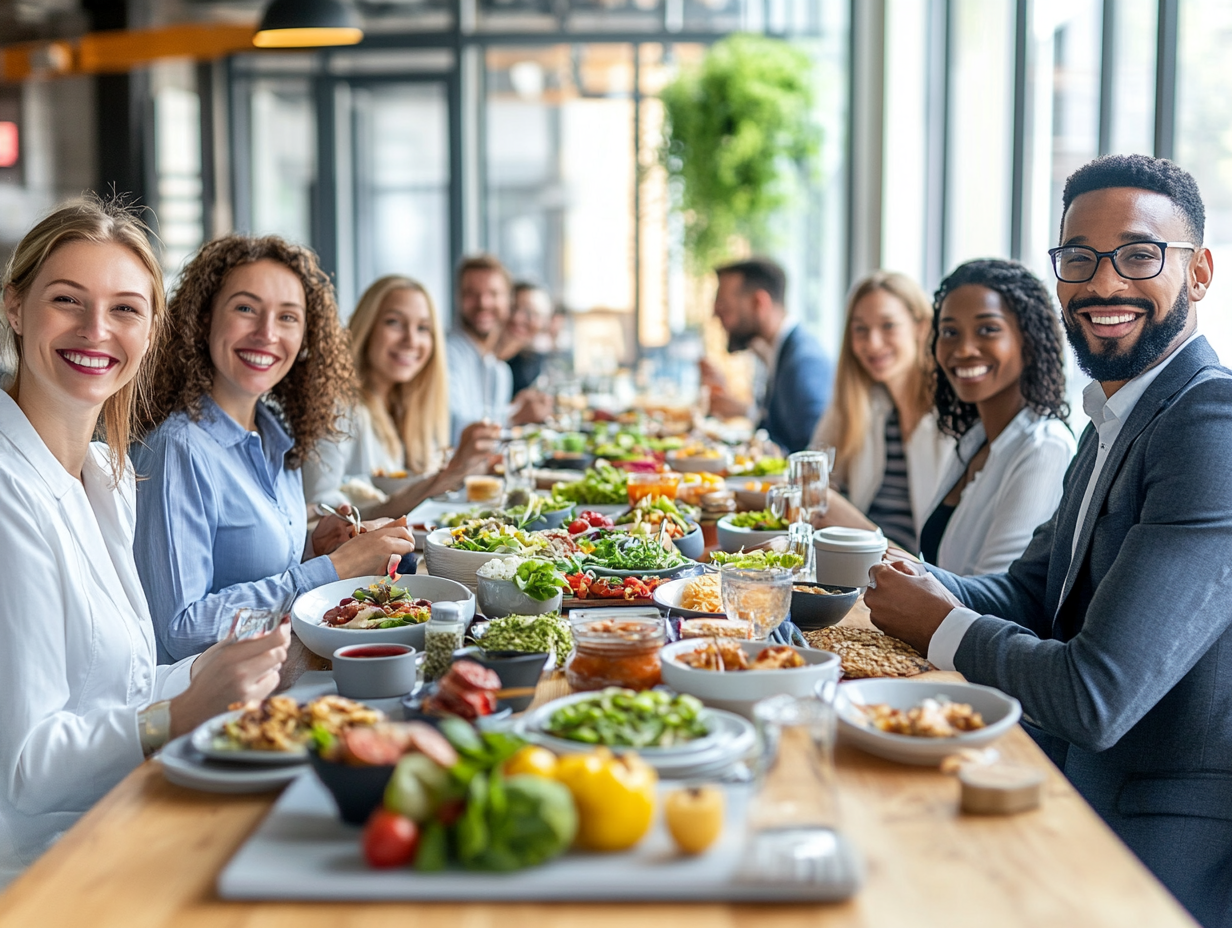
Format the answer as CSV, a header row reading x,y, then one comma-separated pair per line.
x,y
852,383
98,222
417,417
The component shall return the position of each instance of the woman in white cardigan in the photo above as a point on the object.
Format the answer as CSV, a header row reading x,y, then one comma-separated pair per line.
x,y
1001,393
889,454
402,423
84,700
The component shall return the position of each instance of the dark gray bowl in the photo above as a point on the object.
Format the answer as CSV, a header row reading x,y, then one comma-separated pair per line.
x,y
692,545
515,669
814,610
554,519
356,790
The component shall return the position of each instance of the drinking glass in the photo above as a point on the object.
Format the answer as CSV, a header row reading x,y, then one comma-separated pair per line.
x,y
800,541
759,598
783,502
519,487
810,471
793,817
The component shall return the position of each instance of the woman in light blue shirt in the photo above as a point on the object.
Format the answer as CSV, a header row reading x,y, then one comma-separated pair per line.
x,y
248,378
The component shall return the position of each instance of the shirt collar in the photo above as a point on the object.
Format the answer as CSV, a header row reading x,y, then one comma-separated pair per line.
x,y
228,433
769,353
1103,408
17,428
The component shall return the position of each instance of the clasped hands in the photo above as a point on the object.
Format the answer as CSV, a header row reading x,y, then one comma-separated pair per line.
x,y
906,601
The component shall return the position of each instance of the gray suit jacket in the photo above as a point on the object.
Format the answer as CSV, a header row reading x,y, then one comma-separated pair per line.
x,y
1128,659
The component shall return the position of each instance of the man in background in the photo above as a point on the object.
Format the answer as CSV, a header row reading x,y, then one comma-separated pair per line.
x,y
526,340
480,383
794,378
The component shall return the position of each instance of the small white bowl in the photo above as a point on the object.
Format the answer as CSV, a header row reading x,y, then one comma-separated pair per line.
x,y
1000,712
499,598
738,691
323,641
693,465
370,676
748,489
453,563
732,538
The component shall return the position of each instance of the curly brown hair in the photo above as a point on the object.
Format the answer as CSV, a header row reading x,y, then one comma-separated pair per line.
x,y
309,398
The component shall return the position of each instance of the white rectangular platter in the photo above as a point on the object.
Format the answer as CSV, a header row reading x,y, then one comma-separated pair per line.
x,y
303,851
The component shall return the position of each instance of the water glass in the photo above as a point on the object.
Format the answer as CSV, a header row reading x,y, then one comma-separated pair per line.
x,y
760,598
810,471
783,502
800,541
793,817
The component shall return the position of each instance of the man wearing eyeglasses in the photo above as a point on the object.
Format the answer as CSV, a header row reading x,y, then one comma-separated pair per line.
x,y
1112,629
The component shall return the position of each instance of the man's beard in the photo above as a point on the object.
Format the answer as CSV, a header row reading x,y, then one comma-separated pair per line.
x,y
740,339
1107,366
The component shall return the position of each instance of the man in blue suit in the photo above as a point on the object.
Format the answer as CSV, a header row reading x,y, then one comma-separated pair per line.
x,y
795,388
1112,629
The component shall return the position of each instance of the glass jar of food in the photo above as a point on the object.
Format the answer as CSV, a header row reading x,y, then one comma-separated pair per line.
x,y
652,483
616,652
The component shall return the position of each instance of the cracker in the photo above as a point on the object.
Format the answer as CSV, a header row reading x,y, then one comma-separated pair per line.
x,y
866,652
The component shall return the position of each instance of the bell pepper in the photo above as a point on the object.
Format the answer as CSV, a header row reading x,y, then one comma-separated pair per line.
x,y
694,817
615,797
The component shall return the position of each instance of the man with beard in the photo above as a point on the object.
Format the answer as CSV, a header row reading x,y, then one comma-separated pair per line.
x,y
1112,629
795,377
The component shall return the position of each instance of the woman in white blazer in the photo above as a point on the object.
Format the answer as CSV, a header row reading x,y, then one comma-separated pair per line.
x,y
889,454
84,699
1001,392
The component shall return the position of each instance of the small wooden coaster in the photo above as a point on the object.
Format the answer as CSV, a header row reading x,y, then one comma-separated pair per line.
x,y
1000,789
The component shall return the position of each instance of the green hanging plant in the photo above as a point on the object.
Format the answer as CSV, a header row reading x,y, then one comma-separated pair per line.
x,y
736,127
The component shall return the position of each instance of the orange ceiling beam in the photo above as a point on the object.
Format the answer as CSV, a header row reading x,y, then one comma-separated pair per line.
x,y
123,50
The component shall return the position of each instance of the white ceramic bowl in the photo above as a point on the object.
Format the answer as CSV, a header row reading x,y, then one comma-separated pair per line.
x,y
844,556
499,598
749,492
732,538
453,563
1000,712
391,485
323,641
739,691
693,465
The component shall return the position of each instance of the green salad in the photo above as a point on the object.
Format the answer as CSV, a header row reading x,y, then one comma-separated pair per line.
x,y
495,537
759,521
766,467
757,560
600,485
548,633
626,551
517,516
618,717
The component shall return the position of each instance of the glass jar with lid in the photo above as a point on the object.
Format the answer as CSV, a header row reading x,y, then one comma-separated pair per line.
x,y
620,650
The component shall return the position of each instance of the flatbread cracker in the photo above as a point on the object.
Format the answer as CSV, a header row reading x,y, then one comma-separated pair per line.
x,y
866,652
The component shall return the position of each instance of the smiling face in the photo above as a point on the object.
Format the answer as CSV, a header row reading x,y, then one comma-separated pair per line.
x,y
885,338
979,345
401,342
484,300
257,326
84,324
1119,327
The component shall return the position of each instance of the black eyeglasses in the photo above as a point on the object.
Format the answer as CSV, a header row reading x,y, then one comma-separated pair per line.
x,y
1076,264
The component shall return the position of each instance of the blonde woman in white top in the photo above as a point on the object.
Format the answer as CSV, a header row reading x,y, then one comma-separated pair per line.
x,y
84,699
402,423
889,453
1001,392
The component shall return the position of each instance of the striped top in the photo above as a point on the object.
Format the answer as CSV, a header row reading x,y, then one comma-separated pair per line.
x,y
891,505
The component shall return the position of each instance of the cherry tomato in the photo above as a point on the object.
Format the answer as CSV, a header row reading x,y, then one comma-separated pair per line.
x,y
450,811
578,525
390,839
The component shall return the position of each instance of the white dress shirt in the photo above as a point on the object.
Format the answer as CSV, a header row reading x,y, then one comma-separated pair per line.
x,y
480,384
77,658
1016,490
928,451
353,457
1108,414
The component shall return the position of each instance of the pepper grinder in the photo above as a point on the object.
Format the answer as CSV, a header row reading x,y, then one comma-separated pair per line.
x,y
442,636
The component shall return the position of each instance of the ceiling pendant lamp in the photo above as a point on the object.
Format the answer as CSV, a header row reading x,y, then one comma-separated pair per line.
x,y
307,23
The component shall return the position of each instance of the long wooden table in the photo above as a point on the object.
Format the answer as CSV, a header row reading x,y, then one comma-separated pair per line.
x,y
150,852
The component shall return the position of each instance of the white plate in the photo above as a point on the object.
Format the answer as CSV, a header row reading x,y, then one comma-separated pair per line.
x,y
184,765
668,596
722,728
205,736
1000,712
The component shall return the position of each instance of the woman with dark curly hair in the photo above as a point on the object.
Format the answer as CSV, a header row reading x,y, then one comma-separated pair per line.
x,y
1000,391
251,372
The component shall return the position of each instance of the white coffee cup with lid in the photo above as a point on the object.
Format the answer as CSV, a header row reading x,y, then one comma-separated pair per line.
x,y
845,555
